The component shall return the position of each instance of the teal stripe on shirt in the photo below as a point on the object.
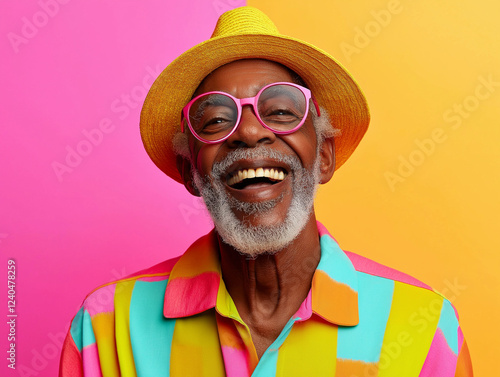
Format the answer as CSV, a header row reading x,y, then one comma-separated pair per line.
x,y
150,332
364,341
448,323
81,329
336,264
269,360
88,336
76,329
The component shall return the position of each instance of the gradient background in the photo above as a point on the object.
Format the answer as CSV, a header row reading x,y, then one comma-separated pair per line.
x,y
82,65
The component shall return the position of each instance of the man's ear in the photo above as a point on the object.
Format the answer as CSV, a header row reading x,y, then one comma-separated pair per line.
x,y
327,160
184,168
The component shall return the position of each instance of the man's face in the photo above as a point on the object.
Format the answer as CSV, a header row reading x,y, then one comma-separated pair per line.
x,y
258,205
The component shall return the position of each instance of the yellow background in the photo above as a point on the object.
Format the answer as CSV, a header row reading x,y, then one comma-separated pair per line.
x,y
439,222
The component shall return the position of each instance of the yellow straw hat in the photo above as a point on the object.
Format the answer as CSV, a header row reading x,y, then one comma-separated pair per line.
x,y
246,33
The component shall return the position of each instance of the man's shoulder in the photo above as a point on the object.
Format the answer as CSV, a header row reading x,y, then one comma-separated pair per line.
x,y
410,290
370,267
102,298
162,269
407,309
149,283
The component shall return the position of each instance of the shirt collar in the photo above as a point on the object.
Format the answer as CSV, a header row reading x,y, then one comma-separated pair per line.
x,y
196,284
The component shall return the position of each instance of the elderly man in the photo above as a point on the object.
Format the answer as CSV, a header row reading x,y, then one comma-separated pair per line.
x,y
264,119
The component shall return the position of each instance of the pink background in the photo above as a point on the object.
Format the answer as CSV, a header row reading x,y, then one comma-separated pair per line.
x,y
72,67
80,207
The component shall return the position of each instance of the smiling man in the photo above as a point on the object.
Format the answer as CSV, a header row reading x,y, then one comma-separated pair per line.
x,y
258,185
264,119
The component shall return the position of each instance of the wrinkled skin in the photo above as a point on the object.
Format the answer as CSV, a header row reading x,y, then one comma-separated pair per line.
x,y
268,289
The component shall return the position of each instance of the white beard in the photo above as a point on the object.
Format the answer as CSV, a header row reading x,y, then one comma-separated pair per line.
x,y
253,240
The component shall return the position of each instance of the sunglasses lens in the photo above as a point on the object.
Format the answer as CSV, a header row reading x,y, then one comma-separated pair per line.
x,y
213,116
282,107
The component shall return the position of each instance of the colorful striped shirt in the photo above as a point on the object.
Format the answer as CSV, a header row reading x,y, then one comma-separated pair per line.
x,y
177,319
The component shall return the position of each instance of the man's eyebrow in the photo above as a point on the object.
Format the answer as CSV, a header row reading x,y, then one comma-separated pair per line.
x,y
211,100
297,100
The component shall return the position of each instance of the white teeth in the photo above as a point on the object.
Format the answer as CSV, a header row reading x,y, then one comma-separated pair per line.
x,y
273,173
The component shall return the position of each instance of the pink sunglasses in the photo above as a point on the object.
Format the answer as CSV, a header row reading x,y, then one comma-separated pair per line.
x,y
281,107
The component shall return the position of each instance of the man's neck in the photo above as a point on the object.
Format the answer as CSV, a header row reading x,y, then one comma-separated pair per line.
x,y
269,289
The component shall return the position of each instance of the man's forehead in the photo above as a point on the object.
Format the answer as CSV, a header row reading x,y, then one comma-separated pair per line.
x,y
255,63
252,73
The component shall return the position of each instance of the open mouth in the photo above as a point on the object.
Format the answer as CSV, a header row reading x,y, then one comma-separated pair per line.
x,y
242,178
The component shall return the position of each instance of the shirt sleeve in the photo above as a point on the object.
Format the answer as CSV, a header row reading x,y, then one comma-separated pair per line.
x,y
80,355
71,359
448,355
464,364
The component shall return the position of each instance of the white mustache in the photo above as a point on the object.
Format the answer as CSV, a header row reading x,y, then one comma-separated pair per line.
x,y
220,167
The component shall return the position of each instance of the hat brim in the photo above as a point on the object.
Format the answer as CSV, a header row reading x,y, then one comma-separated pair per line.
x,y
332,86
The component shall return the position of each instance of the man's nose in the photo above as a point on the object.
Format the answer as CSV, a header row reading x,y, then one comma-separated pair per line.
x,y
250,132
